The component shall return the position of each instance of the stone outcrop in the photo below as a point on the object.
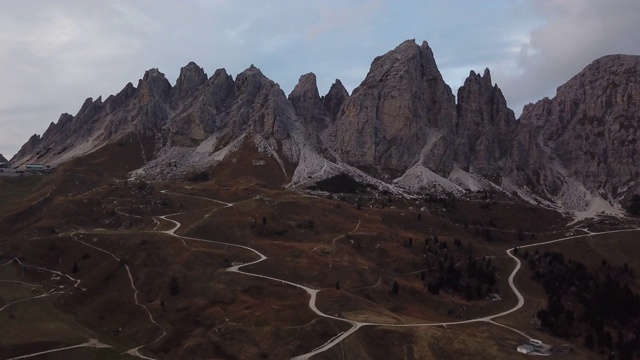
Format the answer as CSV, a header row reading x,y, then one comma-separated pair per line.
x,y
485,126
3,159
402,107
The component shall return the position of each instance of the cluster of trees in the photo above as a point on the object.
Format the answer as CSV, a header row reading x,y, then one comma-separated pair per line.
x,y
456,270
473,278
634,205
340,184
593,305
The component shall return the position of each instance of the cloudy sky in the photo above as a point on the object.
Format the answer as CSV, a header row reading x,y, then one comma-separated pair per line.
x,y
55,54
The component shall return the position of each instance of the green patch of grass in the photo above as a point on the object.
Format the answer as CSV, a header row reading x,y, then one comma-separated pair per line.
x,y
37,321
11,291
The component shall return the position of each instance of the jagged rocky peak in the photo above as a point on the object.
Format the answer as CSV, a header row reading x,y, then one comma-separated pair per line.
x,y
305,89
219,89
200,116
305,97
115,102
3,159
402,105
64,121
309,108
90,108
191,78
589,128
87,103
251,79
28,148
335,98
154,84
258,107
485,126
252,82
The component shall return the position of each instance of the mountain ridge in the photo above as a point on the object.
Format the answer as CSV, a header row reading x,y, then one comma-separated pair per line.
x,y
401,127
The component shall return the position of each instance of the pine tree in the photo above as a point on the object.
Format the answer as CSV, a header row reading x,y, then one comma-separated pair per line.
x,y
395,288
174,287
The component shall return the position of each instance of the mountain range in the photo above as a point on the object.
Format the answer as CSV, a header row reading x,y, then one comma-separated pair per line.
x,y
401,130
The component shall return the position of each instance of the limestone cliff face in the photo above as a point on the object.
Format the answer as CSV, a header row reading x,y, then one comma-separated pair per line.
x,y
401,107
588,131
485,126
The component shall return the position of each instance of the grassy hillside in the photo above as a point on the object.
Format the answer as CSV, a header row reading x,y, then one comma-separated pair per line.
x,y
14,190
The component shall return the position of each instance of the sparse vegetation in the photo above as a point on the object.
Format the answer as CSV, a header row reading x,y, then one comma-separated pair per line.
x,y
634,205
200,176
174,287
339,184
582,303
395,288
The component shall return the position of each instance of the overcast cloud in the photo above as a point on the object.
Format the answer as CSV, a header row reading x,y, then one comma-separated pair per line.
x,y
53,55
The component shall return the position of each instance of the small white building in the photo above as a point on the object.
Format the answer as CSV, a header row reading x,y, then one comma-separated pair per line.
x,y
525,349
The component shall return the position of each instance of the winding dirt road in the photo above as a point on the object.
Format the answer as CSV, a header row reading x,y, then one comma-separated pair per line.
x,y
355,325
